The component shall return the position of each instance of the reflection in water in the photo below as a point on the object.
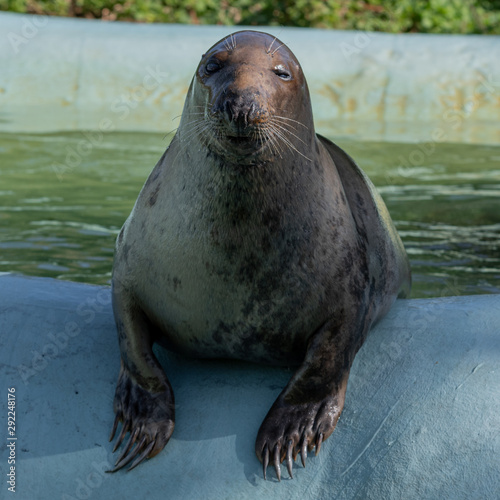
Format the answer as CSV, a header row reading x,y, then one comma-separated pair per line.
x,y
61,206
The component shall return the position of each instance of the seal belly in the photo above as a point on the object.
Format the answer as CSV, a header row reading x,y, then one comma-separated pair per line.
x,y
206,307
220,275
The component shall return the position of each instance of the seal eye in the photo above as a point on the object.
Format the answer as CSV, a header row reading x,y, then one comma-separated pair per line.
x,y
282,73
212,67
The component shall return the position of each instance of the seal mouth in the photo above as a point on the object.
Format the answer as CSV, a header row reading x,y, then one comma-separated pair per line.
x,y
246,144
242,140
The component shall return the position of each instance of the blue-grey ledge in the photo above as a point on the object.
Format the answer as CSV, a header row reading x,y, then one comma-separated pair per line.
x,y
421,420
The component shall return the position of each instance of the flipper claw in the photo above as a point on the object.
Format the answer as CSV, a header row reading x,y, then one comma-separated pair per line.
x,y
265,459
142,456
115,426
318,443
128,458
289,451
128,446
303,453
122,435
276,461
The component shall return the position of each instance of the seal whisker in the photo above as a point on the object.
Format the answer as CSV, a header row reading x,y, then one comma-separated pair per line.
x,y
207,133
206,138
267,141
286,130
230,42
195,120
262,137
276,139
287,142
291,120
184,140
277,48
271,141
271,46
196,127
184,143
262,140
278,151
188,127
280,132
284,124
290,145
171,132
276,148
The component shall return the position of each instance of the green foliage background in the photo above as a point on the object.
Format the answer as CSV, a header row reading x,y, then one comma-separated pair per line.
x,y
396,16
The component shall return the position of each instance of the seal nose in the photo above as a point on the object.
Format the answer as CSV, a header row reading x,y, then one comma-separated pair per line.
x,y
240,111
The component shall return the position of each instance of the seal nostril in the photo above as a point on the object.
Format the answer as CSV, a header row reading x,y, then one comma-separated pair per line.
x,y
229,111
235,114
252,112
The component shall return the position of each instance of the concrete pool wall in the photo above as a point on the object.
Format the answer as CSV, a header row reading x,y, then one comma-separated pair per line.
x,y
72,74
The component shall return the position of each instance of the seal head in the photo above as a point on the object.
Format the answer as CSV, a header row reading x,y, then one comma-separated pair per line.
x,y
249,100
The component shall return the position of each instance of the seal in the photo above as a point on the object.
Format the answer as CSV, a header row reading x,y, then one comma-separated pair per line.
x,y
253,238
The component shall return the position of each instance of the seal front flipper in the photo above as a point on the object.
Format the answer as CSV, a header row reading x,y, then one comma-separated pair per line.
x,y
307,410
144,400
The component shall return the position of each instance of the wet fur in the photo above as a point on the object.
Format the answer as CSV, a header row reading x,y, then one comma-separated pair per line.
x,y
286,257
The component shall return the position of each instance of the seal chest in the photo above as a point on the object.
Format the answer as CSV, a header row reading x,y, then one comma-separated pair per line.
x,y
253,238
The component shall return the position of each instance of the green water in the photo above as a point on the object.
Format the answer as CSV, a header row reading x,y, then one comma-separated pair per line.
x,y
60,214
